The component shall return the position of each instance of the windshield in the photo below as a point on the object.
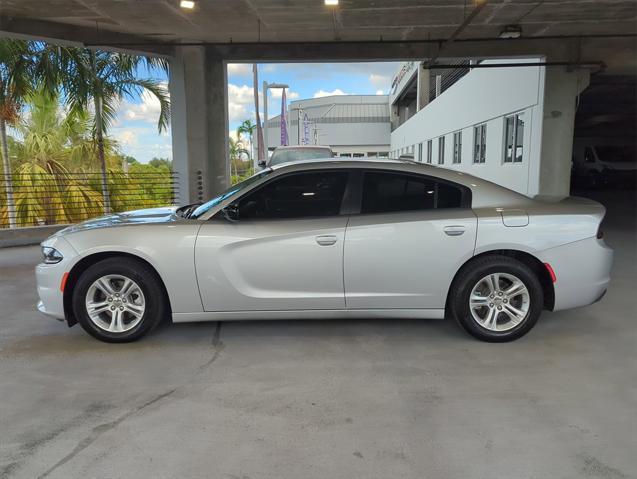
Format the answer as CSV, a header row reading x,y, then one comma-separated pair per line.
x,y
617,154
283,156
233,190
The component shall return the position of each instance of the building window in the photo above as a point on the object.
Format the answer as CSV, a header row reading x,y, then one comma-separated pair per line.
x,y
480,143
514,138
441,150
420,152
457,147
429,150
383,154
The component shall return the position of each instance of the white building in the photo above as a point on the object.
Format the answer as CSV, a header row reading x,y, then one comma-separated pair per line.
x,y
510,125
353,125
495,123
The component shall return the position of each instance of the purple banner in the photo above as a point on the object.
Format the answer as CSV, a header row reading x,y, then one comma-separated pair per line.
x,y
284,121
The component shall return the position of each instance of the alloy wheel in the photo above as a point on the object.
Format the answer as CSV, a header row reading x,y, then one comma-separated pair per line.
x,y
499,302
115,303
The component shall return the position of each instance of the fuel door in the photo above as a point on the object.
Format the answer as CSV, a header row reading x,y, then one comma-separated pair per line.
x,y
514,218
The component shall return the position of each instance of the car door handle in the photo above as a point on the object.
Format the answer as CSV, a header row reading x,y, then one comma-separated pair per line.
x,y
454,230
327,240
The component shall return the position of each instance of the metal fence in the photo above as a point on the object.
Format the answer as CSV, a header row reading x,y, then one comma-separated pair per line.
x,y
38,199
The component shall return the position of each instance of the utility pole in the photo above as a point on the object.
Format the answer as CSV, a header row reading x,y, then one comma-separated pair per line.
x,y
265,119
266,86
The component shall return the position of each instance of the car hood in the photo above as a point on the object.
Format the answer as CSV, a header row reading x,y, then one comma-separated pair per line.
x,y
145,216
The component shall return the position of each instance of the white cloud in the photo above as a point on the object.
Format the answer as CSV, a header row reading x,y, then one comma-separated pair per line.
x,y
277,93
240,102
239,69
379,81
126,137
380,92
322,93
148,110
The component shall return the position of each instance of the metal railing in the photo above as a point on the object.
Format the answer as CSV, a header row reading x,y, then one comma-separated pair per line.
x,y
38,199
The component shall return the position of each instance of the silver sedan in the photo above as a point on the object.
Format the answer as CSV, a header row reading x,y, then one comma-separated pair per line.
x,y
331,239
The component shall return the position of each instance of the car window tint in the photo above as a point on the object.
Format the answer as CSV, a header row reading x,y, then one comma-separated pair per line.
x,y
387,192
296,196
448,196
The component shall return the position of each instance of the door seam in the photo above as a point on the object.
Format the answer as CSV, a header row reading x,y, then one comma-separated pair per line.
x,y
343,261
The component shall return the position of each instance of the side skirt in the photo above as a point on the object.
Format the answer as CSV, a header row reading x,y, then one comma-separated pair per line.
x,y
309,314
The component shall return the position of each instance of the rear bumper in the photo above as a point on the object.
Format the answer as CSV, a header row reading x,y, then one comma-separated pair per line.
x,y
582,271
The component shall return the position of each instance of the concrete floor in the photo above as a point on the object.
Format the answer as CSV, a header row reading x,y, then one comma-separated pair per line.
x,y
335,399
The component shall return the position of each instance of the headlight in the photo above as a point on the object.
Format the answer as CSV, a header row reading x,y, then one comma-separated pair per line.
x,y
51,255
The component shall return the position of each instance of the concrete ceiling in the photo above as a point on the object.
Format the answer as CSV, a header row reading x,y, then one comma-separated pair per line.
x,y
224,21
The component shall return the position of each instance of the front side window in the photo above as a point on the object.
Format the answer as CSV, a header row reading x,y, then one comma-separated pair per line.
x,y
429,150
514,138
296,196
441,150
457,147
392,192
232,191
480,143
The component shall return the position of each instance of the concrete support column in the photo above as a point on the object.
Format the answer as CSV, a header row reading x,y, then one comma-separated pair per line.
x,y
438,85
561,87
199,102
422,88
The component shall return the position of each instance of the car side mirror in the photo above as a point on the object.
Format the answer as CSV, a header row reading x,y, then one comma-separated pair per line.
x,y
231,213
262,164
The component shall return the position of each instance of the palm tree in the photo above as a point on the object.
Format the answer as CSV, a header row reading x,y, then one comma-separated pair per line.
x,y
46,190
102,79
236,150
247,128
16,81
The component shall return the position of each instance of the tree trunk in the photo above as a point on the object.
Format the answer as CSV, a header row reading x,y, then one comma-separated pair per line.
x,y
100,154
8,181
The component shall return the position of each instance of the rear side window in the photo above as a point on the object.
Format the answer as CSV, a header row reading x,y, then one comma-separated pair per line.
x,y
296,196
390,192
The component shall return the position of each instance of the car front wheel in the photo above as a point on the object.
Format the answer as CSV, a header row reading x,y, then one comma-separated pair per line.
x,y
497,298
118,300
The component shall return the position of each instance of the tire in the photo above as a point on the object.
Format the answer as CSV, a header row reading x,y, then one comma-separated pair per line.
x,y
138,309
497,318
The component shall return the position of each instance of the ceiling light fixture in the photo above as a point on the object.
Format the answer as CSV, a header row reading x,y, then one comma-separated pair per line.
x,y
331,3
189,4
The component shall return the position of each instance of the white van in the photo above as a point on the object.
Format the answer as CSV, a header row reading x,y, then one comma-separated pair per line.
x,y
604,161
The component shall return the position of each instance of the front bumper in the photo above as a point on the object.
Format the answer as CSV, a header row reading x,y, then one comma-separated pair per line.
x,y
49,279
582,271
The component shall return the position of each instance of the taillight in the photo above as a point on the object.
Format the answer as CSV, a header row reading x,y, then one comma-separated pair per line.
x,y
551,272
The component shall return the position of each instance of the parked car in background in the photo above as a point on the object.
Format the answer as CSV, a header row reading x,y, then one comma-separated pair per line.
x,y
328,239
604,162
287,154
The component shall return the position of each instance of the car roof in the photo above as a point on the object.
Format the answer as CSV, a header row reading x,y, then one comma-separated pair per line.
x,y
484,192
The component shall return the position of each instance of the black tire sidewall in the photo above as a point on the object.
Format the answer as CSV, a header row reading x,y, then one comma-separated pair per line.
x,y
138,272
477,270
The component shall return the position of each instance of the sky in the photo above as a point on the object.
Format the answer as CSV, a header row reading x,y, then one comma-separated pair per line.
x,y
135,127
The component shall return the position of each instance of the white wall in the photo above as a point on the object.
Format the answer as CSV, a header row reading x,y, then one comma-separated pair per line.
x,y
483,96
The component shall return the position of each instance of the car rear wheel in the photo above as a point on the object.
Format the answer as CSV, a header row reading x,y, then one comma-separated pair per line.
x,y
119,300
497,298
